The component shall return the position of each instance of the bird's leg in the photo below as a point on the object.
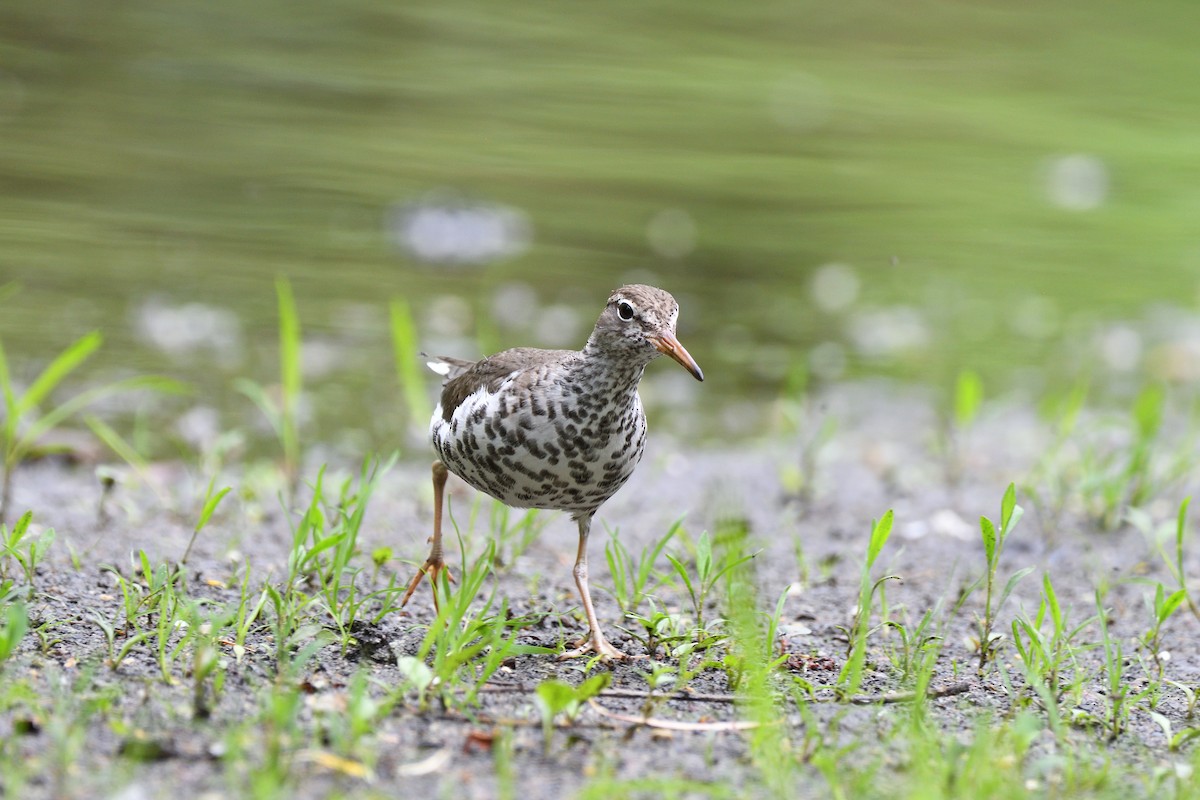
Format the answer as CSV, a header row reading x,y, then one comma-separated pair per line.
x,y
434,565
594,642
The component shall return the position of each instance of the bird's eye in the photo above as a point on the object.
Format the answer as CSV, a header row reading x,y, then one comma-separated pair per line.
x,y
625,310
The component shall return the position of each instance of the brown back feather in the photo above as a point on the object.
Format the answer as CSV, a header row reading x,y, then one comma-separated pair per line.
x,y
465,377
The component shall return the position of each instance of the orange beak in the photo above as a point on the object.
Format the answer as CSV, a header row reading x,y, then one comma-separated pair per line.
x,y
666,343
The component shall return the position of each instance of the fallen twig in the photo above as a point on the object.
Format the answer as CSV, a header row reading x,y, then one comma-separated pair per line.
x,y
426,766
628,694
905,697
673,725
700,697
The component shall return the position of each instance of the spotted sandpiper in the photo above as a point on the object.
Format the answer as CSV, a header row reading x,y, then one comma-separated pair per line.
x,y
554,429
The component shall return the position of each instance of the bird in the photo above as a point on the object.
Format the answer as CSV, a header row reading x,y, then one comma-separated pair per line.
x,y
553,429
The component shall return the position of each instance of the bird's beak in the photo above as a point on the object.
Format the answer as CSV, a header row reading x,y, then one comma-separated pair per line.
x,y
666,343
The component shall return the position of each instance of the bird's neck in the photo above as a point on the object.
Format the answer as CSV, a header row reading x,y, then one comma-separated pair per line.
x,y
619,372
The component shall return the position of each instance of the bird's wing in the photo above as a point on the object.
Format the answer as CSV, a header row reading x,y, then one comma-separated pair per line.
x,y
464,378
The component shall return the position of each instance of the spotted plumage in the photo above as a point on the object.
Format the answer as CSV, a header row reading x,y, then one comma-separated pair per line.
x,y
555,429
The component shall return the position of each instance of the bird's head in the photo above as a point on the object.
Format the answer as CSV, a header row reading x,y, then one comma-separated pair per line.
x,y
640,320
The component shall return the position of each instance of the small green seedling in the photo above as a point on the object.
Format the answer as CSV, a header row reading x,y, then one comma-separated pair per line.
x,y
45,633
206,662
514,538
277,730
773,619
1148,419
911,657
1163,604
27,551
708,572
246,615
993,547
465,645
1117,479
967,400
1119,698
132,638
1162,608
1175,739
348,729
1046,656
554,697
325,543
16,623
659,628
211,501
1176,565
380,556
850,677
630,578
291,628
753,659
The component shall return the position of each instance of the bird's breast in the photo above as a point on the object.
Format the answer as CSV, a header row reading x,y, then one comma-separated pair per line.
x,y
541,443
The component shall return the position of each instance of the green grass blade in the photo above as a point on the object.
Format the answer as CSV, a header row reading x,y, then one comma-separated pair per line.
x,y
1148,410
289,368
733,565
210,506
1007,506
1052,602
968,397
646,565
59,368
261,399
10,400
704,556
289,338
51,419
682,571
1180,529
1017,513
408,369
1012,584
773,622
616,568
988,532
16,625
1165,608
1073,408
880,531
531,650
117,443
19,530
1018,642
1183,737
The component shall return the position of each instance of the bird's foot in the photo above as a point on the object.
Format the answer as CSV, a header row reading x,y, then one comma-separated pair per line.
x,y
433,567
596,643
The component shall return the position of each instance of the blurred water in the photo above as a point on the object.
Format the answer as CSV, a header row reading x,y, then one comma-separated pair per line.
x,y
907,189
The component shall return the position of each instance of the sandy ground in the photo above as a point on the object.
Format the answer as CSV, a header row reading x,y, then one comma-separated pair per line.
x,y
881,455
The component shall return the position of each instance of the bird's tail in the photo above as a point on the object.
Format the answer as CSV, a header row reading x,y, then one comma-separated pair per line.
x,y
446,366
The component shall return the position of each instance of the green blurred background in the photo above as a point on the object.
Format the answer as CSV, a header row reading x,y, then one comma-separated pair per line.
x,y
830,189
